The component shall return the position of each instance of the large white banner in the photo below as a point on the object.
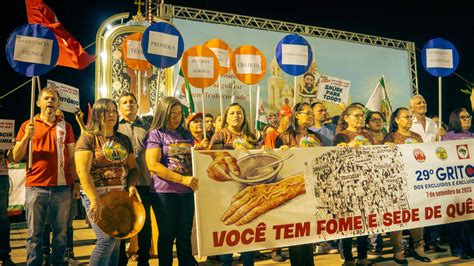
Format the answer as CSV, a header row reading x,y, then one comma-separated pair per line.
x,y
328,193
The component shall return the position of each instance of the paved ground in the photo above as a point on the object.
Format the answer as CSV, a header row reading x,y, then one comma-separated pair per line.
x,y
84,237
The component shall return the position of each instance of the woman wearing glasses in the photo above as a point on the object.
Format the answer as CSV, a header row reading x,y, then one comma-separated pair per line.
x,y
350,133
375,122
400,124
298,135
462,233
168,157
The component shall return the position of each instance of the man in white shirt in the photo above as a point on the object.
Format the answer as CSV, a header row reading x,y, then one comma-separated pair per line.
x,y
423,125
429,132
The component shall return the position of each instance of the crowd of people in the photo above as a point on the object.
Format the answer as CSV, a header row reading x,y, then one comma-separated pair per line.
x,y
120,151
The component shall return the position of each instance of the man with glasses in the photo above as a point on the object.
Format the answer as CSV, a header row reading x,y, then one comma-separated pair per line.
x,y
429,132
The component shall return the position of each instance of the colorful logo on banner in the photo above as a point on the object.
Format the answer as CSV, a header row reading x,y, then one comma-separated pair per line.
x,y
470,171
441,153
463,151
223,52
200,66
32,50
249,64
439,57
419,155
294,55
162,44
133,53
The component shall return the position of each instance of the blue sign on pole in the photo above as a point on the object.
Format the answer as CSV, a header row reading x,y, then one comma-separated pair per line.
x,y
294,55
439,57
162,44
32,50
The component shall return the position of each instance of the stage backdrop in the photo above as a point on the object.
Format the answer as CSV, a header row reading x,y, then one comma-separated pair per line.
x,y
342,55
329,193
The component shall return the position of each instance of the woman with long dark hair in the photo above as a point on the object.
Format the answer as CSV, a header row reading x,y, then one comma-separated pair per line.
x,y
375,123
234,135
298,135
105,161
168,157
462,233
400,124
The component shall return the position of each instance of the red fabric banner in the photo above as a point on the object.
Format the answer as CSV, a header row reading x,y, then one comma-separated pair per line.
x,y
71,53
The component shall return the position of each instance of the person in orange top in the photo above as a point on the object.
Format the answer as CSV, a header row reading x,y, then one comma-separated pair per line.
x,y
194,125
48,184
271,134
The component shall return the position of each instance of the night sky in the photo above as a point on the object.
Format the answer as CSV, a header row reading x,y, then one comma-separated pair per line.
x,y
411,23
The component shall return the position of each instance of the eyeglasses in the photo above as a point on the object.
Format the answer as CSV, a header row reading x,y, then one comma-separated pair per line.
x,y
358,116
376,120
465,117
306,113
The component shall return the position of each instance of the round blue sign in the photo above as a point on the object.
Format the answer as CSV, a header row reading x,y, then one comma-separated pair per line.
x,y
439,57
294,55
162,44
32,50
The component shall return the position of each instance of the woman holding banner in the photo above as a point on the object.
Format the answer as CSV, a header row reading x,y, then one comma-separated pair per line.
x,y
104,161
400,124
298,135
351,133
234,135
168,157
462,233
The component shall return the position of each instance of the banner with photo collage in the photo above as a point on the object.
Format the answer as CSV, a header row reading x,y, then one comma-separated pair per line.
x,y
326,193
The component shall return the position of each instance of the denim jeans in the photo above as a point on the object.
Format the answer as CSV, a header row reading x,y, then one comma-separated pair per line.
x,y
70,232
4,223
462,238
174,213
106,250
38,201
431,234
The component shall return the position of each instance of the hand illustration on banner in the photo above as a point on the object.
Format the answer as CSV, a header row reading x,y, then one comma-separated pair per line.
x,y
220,168
254,201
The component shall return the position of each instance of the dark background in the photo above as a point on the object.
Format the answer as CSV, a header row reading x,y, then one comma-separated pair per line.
x,y
416,23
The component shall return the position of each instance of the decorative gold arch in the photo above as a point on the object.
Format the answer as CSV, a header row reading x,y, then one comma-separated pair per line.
x,y
113,77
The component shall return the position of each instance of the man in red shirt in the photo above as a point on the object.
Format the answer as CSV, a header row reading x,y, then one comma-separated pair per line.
x,y
48,183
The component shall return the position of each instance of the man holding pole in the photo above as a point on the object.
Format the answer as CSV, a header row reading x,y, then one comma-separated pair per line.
x,y
49,182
